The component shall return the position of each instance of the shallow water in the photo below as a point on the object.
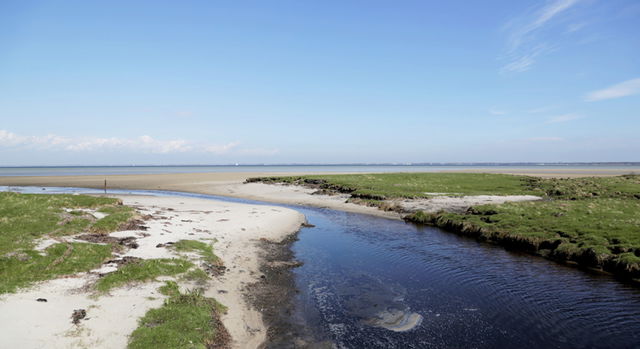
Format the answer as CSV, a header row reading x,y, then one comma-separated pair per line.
x,y
367,280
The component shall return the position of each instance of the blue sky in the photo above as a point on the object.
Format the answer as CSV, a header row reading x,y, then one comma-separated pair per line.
x,y
208,82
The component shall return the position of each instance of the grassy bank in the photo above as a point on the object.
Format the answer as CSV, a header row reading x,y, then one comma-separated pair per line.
x,y
413,185
26,218
594,222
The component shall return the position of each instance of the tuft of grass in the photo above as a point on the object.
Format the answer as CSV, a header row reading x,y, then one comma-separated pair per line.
x,y
197,275
24,268
144,270
186,320
117,215
203,249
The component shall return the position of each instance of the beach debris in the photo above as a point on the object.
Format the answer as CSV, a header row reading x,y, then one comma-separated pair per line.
x,y
134,224
166,244
44,300
77,315
128,241
214,269
124,260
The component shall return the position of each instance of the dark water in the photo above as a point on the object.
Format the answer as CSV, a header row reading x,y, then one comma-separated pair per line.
x,y
468,294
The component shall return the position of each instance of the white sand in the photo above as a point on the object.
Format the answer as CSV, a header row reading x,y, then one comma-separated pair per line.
x,y
295,195
26,323
459,203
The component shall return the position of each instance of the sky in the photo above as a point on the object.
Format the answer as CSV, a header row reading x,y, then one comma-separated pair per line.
x,y
252,82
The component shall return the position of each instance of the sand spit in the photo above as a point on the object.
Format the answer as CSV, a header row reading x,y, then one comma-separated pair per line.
x,y
40,316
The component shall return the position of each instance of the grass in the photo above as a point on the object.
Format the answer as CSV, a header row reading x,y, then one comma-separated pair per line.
x,y
25,218
143,271
28,267
414,185
203,249
186,320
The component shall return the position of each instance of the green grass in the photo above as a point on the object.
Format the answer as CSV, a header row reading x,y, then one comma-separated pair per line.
x,y
145,270
186,320
24,218
28,267
203,249
197,275
414,185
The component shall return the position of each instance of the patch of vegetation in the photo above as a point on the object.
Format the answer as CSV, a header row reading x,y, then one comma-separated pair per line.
x,y
116,216
143,271
23,268
202,248
186,320
24,218
198,275
413,185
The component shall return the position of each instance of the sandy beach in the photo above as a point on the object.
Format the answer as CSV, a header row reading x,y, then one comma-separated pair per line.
x,y
235,231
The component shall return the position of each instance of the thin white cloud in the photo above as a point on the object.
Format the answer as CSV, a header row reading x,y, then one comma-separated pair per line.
x,y
523,44
563,118
142,144
497,112
623,89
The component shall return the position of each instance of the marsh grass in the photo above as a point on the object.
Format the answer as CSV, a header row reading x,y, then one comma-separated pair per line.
x,y
142,271
413,185
186,320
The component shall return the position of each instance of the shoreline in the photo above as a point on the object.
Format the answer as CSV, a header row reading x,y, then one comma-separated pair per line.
x,y
237,230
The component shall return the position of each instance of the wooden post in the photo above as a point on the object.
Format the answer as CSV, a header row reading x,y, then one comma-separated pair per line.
x,y
105,185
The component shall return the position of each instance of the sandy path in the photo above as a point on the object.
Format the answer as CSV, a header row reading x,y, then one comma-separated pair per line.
x,y
237,228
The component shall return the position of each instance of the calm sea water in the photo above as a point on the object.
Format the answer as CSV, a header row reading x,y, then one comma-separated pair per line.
x,y
467,294
123,170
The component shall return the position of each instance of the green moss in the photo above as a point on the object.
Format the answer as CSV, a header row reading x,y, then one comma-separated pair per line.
x,y
187,320
145,270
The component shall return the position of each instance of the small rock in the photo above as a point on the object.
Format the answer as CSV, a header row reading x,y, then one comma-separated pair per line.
x,y
41,300
78,315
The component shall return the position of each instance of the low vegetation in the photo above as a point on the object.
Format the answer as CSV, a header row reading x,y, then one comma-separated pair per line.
x,y
593,221
186,320
202,248
26,218
413,185
143,271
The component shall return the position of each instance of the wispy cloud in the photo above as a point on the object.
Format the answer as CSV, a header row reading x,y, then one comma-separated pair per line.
x,y
563,118
142,144
524,45
623,89
497,112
